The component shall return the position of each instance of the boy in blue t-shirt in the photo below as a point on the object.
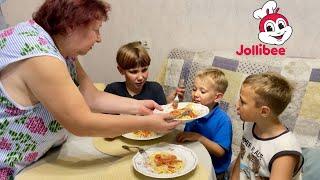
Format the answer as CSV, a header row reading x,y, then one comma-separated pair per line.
x,y
214,130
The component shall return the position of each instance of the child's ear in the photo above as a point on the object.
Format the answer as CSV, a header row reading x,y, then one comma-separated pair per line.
x,y
265,111
121,71
218,97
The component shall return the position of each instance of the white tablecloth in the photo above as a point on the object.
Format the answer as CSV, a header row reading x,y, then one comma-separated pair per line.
x,y
85,148
82,149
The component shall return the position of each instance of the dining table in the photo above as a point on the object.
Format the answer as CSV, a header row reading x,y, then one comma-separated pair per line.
x,y
80,158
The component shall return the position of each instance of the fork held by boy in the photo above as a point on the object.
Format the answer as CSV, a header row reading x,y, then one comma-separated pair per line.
x,y
178,98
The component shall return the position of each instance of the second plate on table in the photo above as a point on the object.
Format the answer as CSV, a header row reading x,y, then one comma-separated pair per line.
x,y
142,135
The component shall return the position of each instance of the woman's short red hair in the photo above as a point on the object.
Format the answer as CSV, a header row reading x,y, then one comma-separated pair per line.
x,y
55,16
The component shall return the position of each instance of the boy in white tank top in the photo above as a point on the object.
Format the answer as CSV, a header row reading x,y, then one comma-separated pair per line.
x,y
268,149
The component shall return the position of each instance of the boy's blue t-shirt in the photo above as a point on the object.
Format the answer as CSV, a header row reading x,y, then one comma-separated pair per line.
x,y
217,127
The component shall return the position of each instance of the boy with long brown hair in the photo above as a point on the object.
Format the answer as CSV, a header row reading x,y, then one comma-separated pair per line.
x,y
133,63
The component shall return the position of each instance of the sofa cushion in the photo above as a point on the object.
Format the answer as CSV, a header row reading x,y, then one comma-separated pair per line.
x,y
311,164
302,115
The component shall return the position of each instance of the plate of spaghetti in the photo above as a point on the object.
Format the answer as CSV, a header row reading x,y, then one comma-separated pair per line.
x,y
186,111
166,161
142,135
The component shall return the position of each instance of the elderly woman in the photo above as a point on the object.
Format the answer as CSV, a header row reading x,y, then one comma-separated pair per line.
x,y
39,97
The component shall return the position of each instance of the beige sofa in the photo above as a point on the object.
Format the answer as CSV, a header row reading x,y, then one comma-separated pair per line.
x,y
302,116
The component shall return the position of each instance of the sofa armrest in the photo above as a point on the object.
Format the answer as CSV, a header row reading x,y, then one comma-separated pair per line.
x,y
311,164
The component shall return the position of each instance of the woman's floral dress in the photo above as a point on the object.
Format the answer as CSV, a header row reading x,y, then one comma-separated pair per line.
x,y
26,133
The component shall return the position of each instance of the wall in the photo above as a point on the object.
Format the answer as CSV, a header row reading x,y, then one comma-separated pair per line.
x,y
200,24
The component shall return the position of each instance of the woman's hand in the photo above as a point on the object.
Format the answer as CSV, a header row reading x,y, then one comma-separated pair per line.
x,y
145,107
162,123
188,136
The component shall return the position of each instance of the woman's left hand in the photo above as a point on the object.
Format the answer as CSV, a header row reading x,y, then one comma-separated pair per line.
x,y
145,107
188,136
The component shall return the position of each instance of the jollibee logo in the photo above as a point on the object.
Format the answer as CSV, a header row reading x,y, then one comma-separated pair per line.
x,y
274,27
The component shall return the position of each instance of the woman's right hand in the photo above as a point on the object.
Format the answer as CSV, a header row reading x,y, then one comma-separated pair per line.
x,y
161,123
145,107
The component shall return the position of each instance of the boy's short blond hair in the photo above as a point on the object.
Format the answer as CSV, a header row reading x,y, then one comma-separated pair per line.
x,y
216,77
272,90
132,55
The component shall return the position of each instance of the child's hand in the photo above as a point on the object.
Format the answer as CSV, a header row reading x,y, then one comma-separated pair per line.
x,y
188,136
180,92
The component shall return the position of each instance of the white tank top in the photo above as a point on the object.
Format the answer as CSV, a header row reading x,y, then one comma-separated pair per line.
x,y
257,155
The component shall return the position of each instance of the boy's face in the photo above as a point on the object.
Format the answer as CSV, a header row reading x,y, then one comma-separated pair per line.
x,y
246,106
204,93
135,77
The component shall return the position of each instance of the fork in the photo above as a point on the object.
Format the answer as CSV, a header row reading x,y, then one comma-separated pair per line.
x,y
140,150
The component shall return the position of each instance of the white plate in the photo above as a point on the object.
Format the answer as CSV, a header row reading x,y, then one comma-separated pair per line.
x,y
199,108
136,137
188,157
